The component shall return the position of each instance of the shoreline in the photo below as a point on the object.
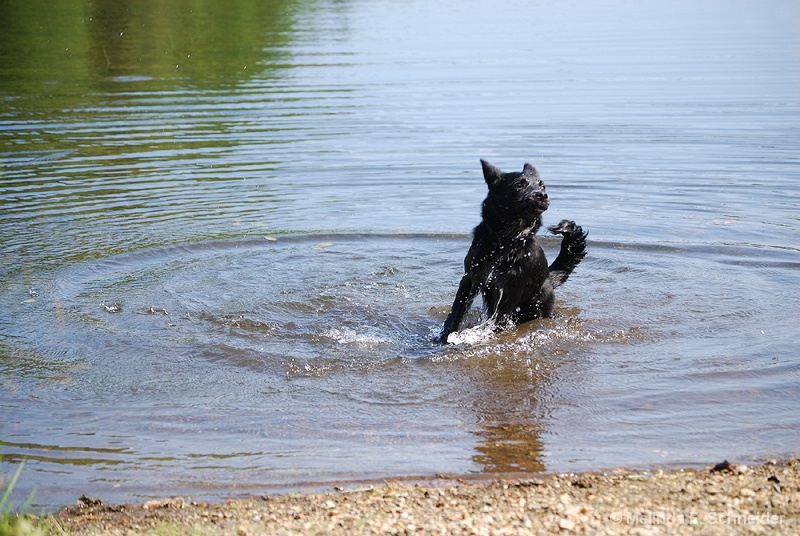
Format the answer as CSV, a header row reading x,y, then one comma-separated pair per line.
x,y
721,499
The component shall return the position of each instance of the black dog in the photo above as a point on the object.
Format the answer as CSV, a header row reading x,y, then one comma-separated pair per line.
x,y
505,262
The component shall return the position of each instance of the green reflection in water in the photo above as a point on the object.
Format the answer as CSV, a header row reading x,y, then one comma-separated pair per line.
x,y
70,48
98,144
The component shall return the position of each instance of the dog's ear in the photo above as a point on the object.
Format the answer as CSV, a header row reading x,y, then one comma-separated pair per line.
x,y
490,173
528,169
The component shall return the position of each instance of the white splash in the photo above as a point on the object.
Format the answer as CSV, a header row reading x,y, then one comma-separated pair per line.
x,y
349,336
474,335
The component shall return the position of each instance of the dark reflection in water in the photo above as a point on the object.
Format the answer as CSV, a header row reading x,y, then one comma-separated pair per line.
x,y
274,198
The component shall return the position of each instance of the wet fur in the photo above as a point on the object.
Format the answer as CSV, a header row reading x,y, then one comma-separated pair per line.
x,y
505,263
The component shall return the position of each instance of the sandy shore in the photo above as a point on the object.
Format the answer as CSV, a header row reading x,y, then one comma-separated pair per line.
x,y
727,499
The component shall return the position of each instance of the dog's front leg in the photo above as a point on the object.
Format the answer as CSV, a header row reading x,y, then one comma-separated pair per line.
x,y
464,297
573,250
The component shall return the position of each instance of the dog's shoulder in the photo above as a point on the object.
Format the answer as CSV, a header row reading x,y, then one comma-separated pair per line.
x,y
484,245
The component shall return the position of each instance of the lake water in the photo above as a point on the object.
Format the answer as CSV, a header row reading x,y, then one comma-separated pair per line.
x,y
276,198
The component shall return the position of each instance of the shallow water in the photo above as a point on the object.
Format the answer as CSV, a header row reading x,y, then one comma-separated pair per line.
x,y
279,222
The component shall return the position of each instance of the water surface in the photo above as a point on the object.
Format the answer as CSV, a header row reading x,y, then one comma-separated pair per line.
x,y
230,234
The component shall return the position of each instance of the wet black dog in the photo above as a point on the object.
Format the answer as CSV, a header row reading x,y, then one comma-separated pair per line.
x,y
505,263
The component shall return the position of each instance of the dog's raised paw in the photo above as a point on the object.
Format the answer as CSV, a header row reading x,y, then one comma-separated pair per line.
x,y
566,228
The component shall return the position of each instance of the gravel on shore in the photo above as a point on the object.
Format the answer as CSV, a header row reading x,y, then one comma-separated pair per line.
x,y
725,499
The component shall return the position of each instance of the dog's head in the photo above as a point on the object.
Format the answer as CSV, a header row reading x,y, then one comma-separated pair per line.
x,y
515,196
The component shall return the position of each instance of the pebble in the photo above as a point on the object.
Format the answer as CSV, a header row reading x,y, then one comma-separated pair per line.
x,y
566,524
